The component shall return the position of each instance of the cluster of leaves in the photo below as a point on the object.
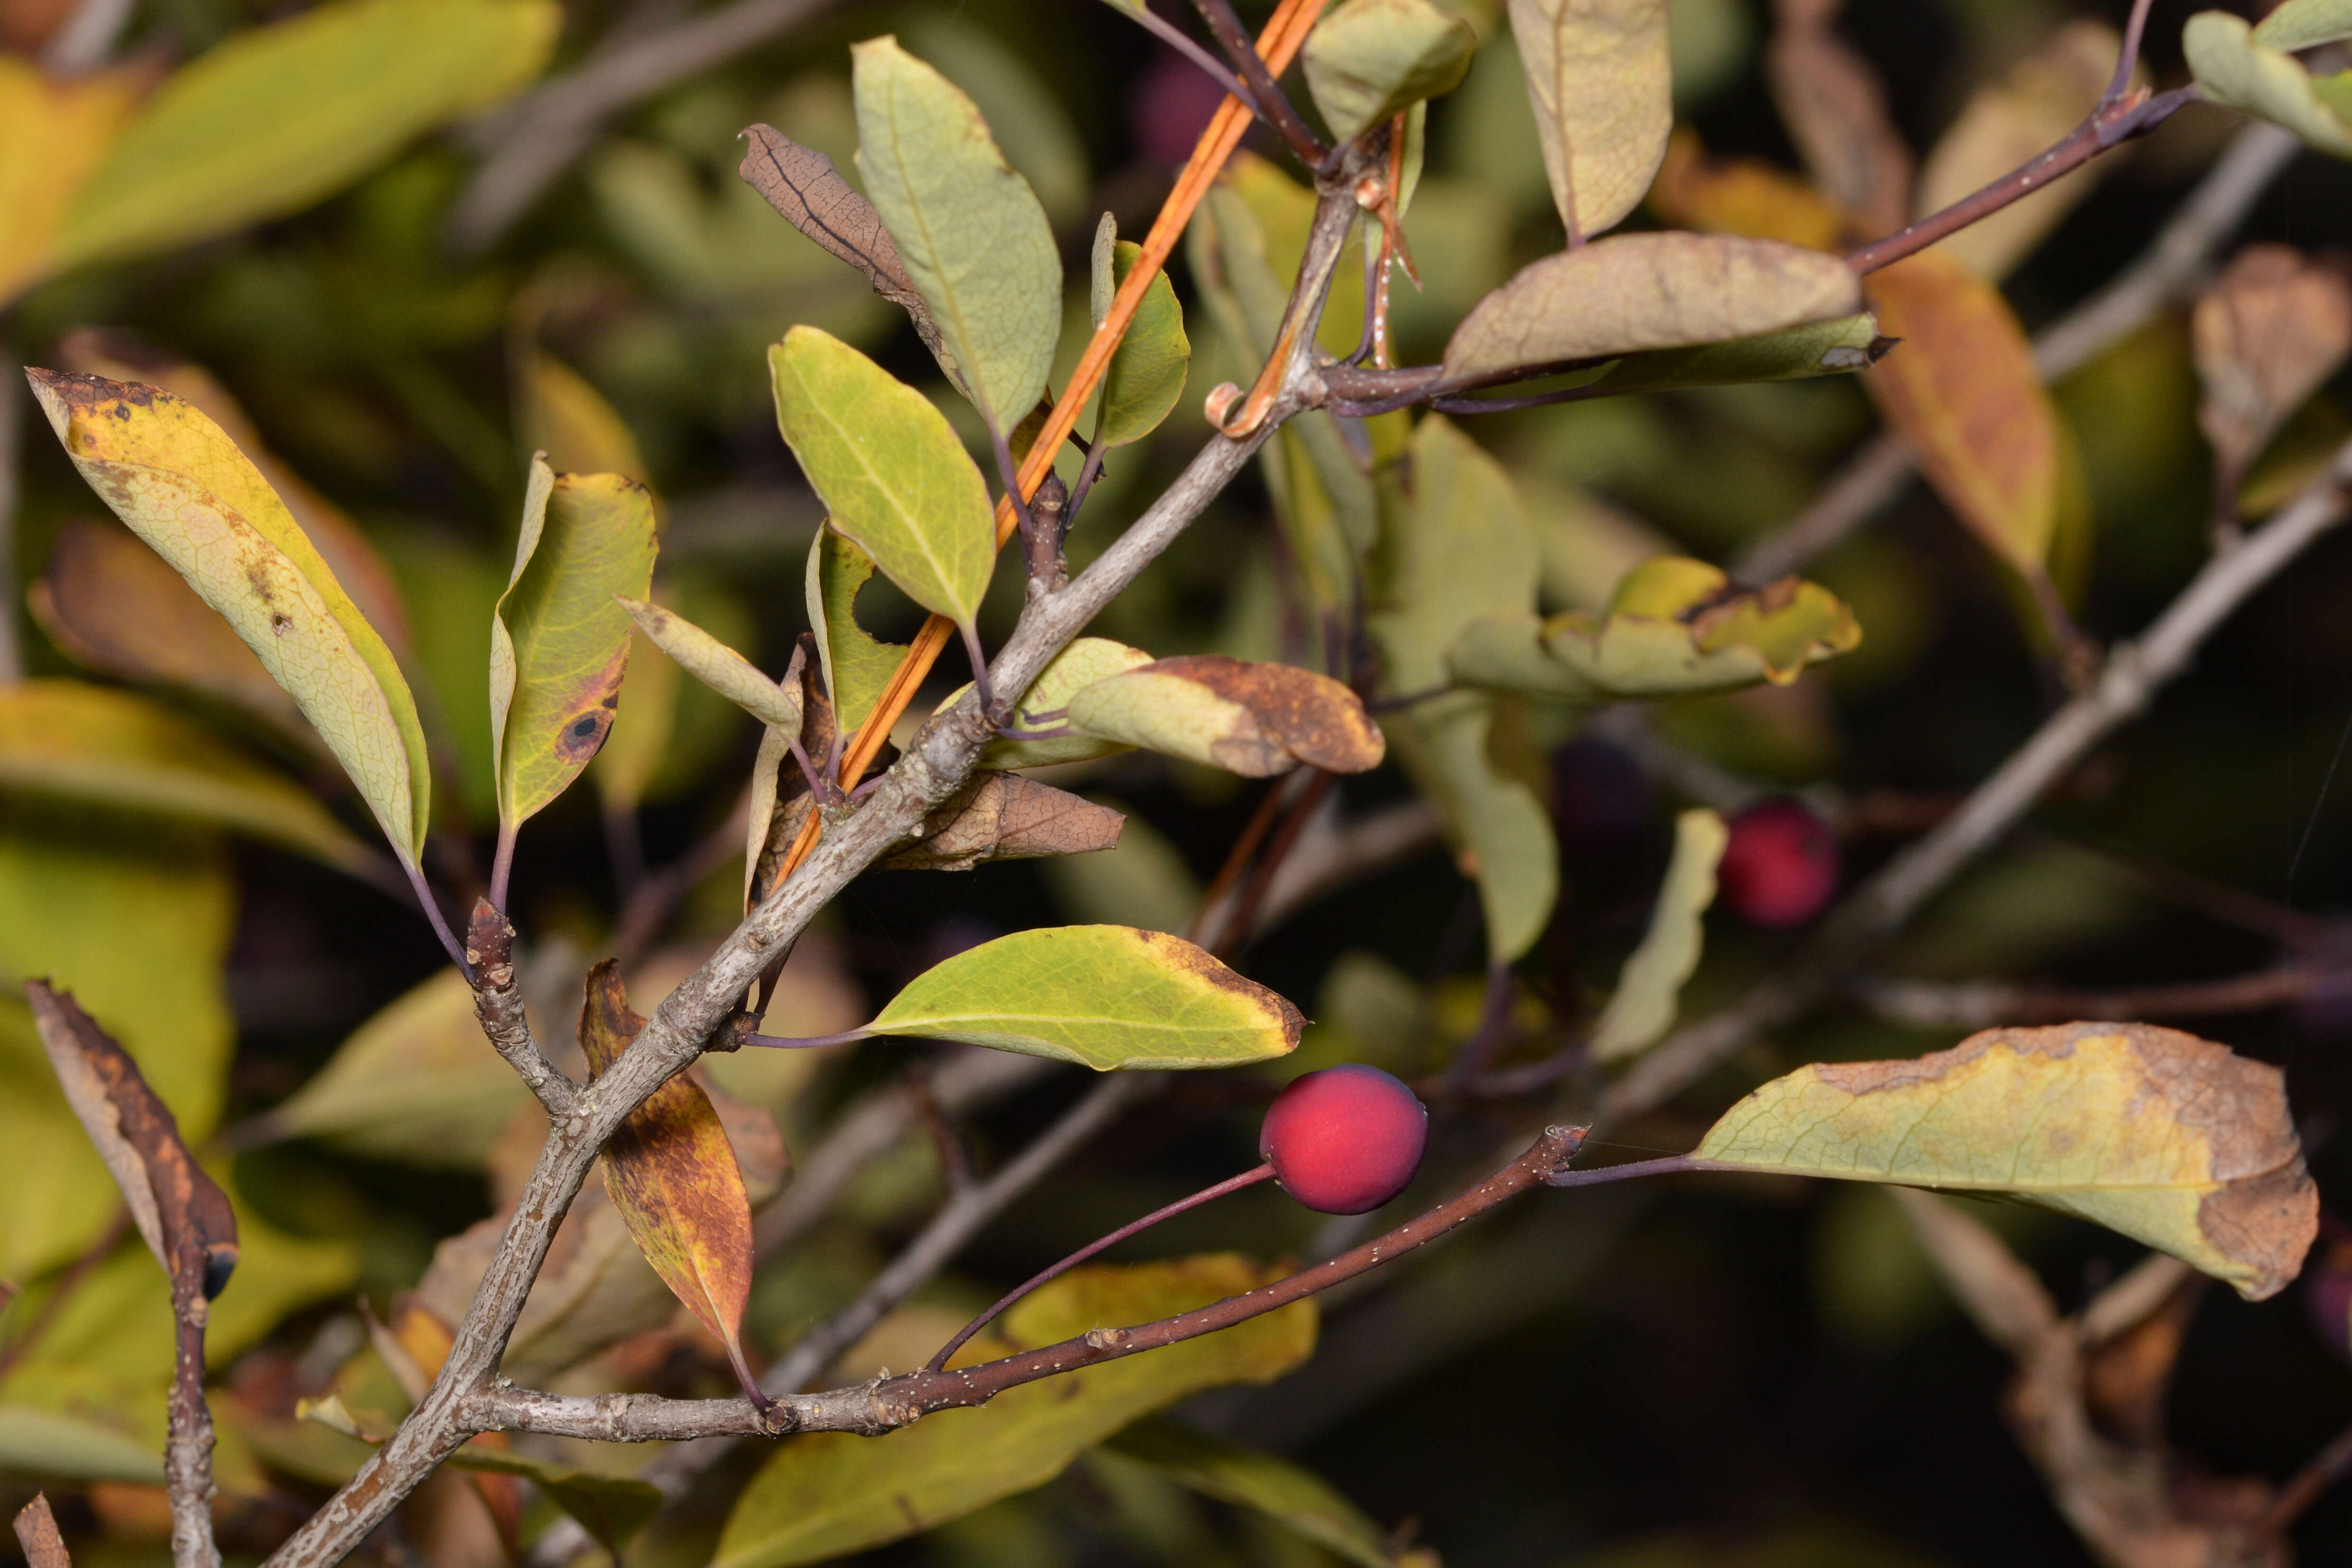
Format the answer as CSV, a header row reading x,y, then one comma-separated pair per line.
x,y
1470,617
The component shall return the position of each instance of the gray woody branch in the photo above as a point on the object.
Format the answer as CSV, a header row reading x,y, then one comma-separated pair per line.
x,y
940,757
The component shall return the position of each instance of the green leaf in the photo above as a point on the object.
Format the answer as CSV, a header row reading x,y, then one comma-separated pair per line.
x,y
1255,720
183,486
1247,1478
1648,989
415,1084
717,666
1369,60
857,666
2305,23
1675,627
108,747
971,233
1106,997
889,468
276,117
1644,291
136,924
830,1493
1085,661
2237,67
2172,1139
1146,375
1824,348
1456,546
559,639
39,1442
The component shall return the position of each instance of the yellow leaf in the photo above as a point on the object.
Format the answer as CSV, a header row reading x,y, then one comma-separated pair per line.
x,y
1603,87
52,134
2172,1139
183,486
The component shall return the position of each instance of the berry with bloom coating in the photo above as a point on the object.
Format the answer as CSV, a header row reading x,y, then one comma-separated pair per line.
x,y
1345,1140
1780,866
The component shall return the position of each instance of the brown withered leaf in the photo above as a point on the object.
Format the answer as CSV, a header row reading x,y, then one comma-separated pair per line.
x,y
672,1174
119,356
1638,291
1835,111
1256,719
113,606
1004,816
1962,388
36,1532
180,1210
788,805
2270,330
2006,124
802,183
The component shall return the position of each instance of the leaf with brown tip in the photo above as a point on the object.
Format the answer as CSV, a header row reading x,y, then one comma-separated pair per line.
x,y
1256,719
180,1211
2168,1139
2268,331
1637,291
1003,816
672,1174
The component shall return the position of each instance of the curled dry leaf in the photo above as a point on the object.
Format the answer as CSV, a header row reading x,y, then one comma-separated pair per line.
x,y
671,1172
1369,60
36,1532
2005,126
1104,997
1602,88
111,605
2172,1139
180,1210
1636,292
1003,816
2268,331
1835,109
1676,626
1256,719
175,476
1962,388
776,703
802,183
560,639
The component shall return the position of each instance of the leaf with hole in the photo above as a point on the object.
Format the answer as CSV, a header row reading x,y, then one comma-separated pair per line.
x,y
672,1174
183,486
857,665
829,1493
560,639
1106,997
1674,627
2172,1140
1650,987
889,468
1367,61
1638,291
1251,718
974,239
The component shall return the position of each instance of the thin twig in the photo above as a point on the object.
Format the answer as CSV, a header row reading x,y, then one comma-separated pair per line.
x,y
2132,675
1182,42
1984,1004
188,1448
1265,94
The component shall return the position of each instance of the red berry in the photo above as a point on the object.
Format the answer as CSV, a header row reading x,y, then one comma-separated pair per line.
x,y
1781,866
1345,1140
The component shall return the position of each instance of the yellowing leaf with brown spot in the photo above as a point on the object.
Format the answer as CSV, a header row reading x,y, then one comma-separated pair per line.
x,y
171,473
2172,1139
829,1493
52,135
1961,387
1602,88
1638,291
559,640
1255,720
672,1174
